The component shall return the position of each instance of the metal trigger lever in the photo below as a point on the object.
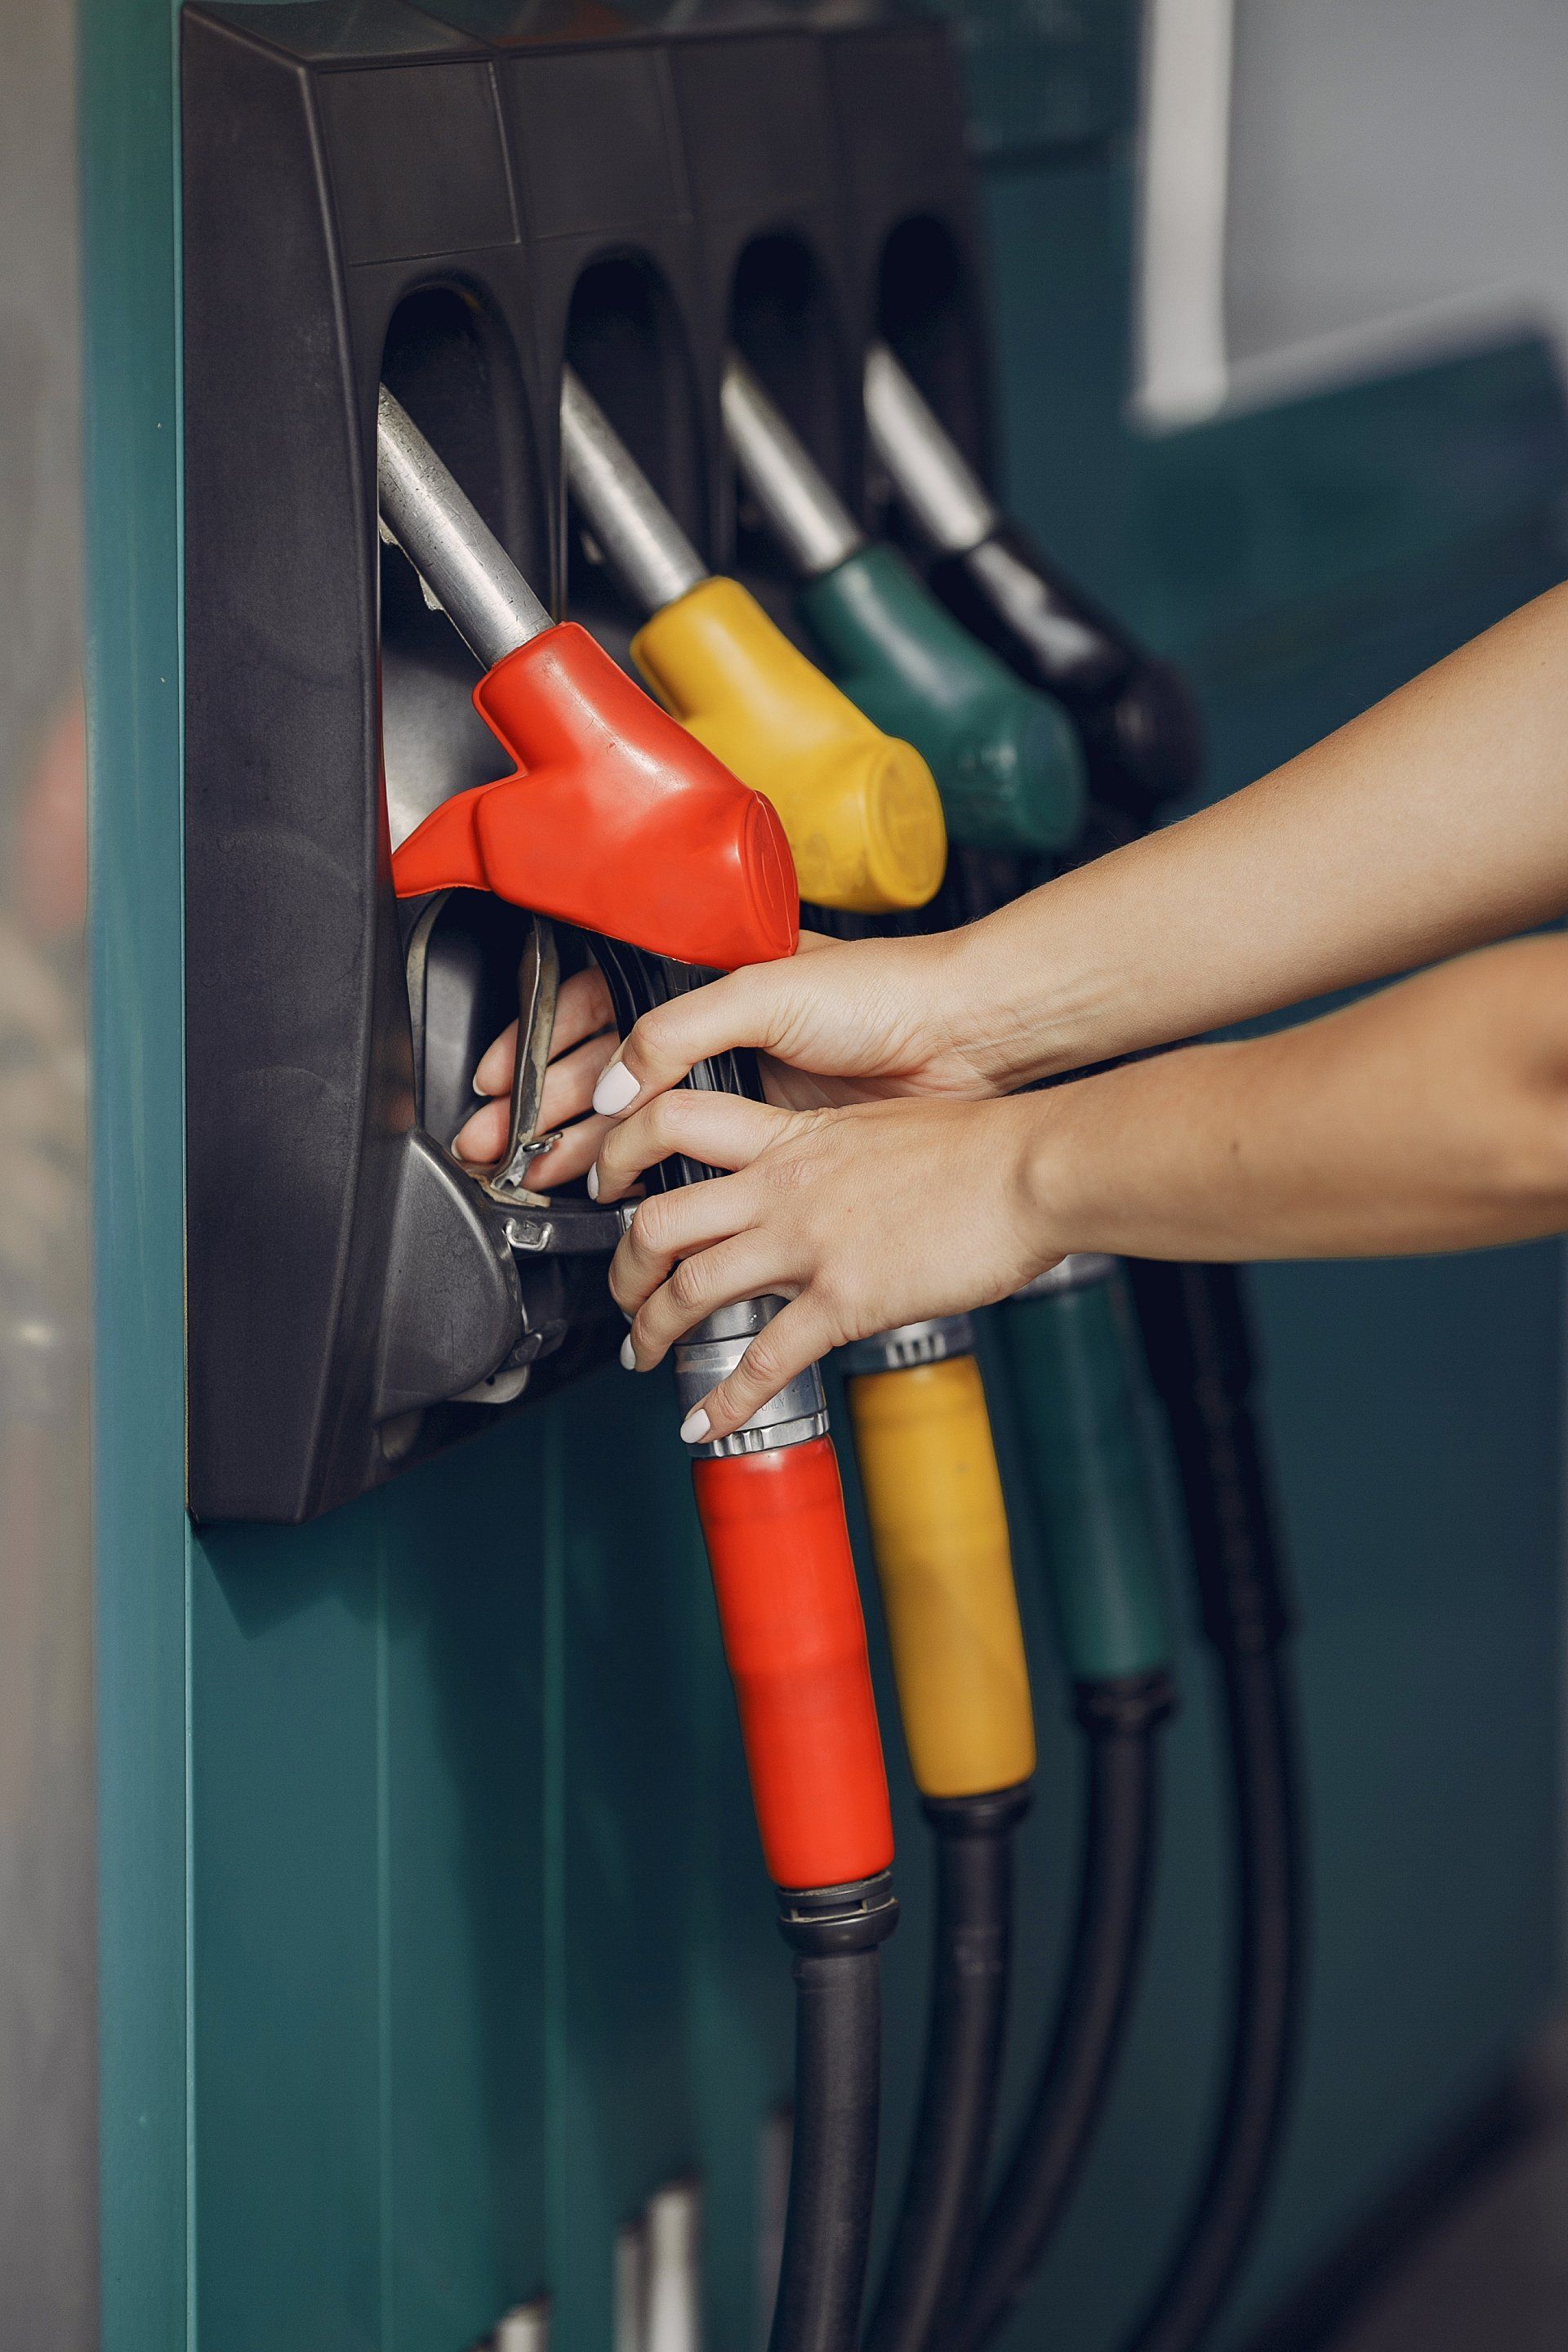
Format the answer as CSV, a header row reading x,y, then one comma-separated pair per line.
x,y
538,987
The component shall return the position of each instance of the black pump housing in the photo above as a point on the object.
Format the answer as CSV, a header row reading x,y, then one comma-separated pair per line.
x,y
459,199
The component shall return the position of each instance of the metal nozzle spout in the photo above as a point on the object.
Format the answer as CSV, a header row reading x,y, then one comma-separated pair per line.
x,y
930,472
639,537
804,510
463,564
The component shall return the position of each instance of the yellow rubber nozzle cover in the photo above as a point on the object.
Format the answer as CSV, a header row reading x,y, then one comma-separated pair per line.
x,y
938,1528
861,810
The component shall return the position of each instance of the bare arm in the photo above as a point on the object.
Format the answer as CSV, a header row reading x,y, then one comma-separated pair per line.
x,y
1434,823
1432,1117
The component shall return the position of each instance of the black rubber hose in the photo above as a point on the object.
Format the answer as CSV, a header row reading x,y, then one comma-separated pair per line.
x,y
1195,1337
1120,1819
833,2156
1269,1953
934,2235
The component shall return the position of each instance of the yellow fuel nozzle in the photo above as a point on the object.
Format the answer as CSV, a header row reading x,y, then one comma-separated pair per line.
x,y
939,1529
862,809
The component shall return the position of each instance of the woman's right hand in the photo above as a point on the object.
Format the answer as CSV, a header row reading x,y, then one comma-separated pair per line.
x,y
840,1021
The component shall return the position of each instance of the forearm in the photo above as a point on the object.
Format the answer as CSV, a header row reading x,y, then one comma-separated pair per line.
x,y
1435,822
1432,1117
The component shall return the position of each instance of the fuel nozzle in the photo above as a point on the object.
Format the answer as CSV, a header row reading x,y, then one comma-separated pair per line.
x,y
939,1532
1142,737
1005,760
860,809
611,804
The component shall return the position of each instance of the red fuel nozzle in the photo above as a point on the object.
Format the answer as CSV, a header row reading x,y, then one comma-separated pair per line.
x,y
790,1609
615,820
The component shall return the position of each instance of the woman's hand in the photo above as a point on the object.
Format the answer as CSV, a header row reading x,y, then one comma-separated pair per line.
x,y
580,1044
840,1021
863,1216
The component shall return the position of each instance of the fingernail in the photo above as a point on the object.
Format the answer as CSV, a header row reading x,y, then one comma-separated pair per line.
x,y
695,1427
628,1354
615,1089
592,1183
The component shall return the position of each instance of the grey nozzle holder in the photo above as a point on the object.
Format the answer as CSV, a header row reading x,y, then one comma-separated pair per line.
x,y
639,537
1081,1271
712,1353
449,544
805,512
931,475
907,1344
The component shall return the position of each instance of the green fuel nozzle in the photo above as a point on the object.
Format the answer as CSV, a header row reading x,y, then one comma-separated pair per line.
x,y
1135,714
1006,758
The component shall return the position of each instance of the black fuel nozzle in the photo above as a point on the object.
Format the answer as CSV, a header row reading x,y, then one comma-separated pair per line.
x,y
1136,716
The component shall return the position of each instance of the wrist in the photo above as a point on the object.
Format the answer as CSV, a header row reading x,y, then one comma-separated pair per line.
x,y
1038,1180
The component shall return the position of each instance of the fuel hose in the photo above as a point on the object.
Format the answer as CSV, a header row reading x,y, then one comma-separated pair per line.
x,y
772,1508
1143,746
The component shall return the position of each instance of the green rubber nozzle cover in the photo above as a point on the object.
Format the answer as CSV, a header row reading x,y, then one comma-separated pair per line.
x,y
1071,1359
1006,758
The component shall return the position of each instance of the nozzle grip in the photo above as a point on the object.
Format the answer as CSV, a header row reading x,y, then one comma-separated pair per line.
x,y
789,1609
939,1529
1006,759
617,820
861,810
1072,1357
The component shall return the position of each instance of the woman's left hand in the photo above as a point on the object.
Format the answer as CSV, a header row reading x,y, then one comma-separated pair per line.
x,y
863,1217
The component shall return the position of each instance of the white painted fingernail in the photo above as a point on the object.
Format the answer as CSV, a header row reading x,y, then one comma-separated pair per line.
x,y
593,1183
695,1427
628,1354
615,1089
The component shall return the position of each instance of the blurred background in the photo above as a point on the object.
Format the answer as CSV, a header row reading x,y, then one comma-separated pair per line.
x,y
1310,435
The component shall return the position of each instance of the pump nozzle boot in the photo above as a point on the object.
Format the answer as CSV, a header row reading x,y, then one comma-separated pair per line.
x,y
616,819
859,807
861,810
1006,761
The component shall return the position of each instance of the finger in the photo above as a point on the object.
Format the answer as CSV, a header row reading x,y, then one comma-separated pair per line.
x,y
740,1009
582,1010
797,1336
483,1138
669,1227
569,1083
571,1158
722,1130
697,1286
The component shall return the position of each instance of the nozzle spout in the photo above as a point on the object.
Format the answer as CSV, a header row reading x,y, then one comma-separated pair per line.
x,y
931,473
639,537
805,512
459,558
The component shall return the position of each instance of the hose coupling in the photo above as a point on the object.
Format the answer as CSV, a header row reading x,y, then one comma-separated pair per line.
x,y
850,1919
1079,1271
712,1353
907,1344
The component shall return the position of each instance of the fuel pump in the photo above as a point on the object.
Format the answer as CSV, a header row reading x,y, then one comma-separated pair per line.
x,y
860,809
1144,747
616,816
1006,759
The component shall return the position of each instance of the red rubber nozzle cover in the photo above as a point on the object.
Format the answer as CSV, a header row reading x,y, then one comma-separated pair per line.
x,y
795,1639
616,819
